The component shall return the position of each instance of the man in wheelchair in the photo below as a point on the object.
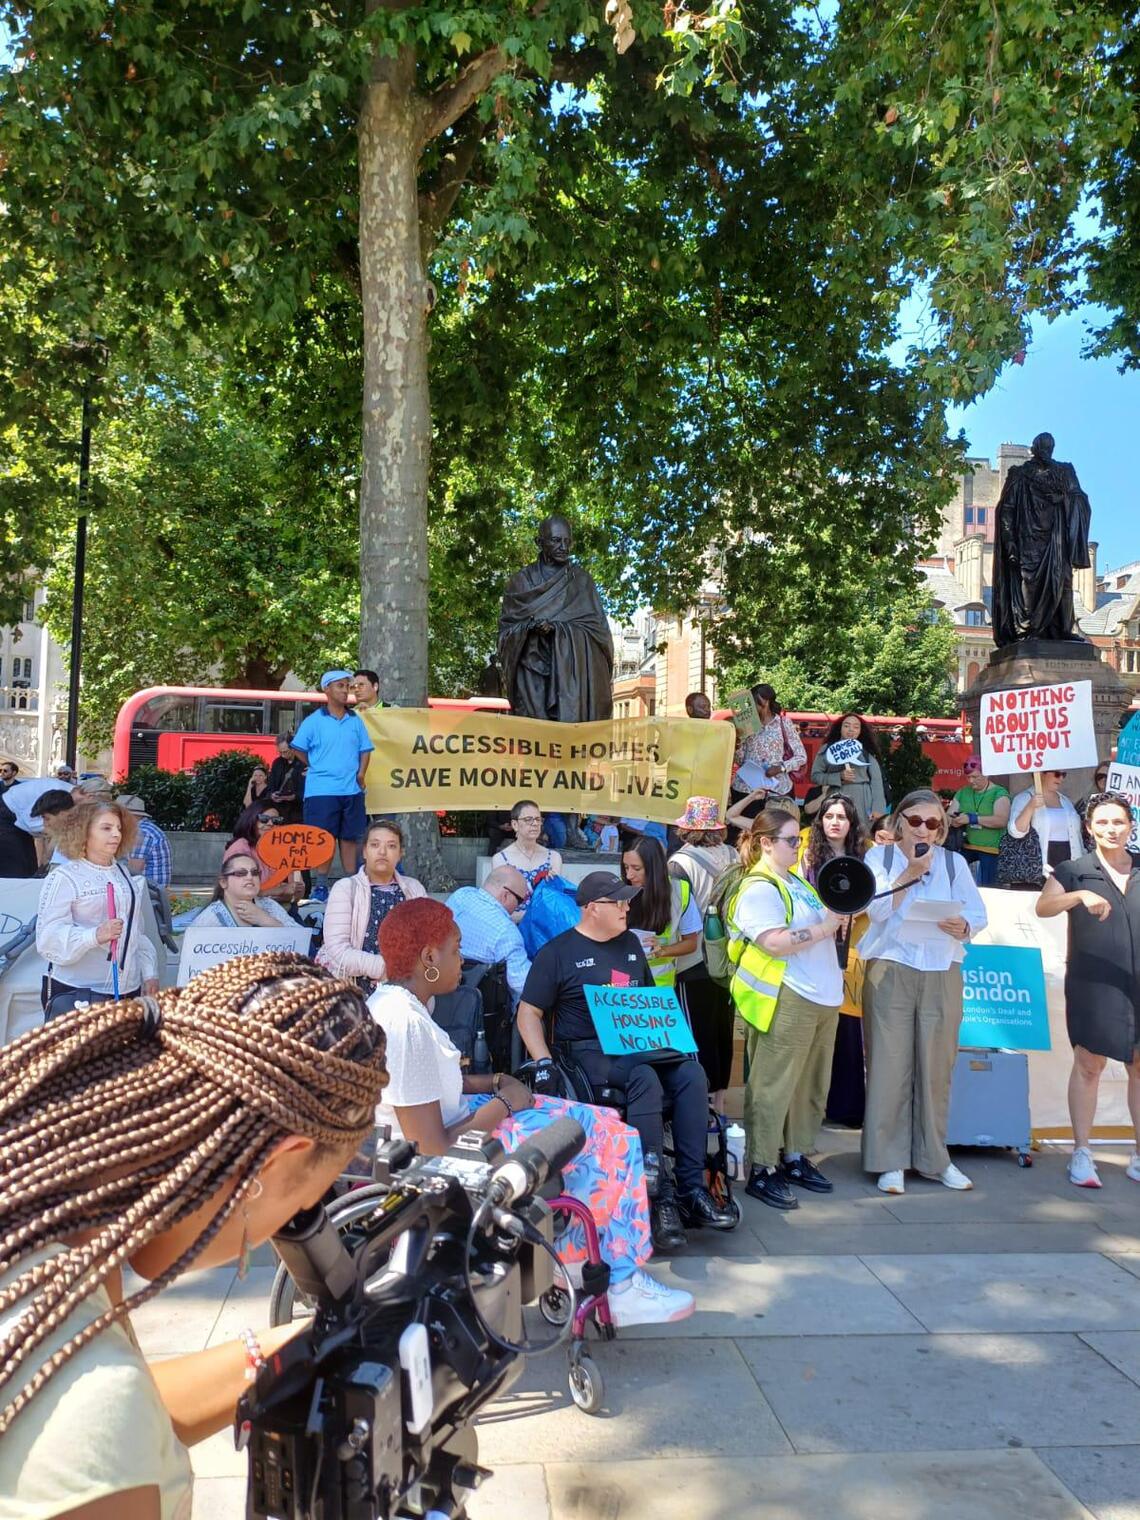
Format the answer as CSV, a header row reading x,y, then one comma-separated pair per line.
x,y
602,951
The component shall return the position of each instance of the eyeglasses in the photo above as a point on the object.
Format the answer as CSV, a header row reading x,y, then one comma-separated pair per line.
x,y
787,839
269,817
916,822
241,875
529,818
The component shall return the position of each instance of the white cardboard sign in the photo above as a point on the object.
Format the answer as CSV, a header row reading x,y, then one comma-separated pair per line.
x,y
205,945
1037,728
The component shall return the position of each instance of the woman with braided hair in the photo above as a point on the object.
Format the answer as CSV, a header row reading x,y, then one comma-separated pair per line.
x,y
170,1133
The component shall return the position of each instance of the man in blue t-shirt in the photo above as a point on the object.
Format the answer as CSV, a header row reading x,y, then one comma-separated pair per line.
x,y
335,744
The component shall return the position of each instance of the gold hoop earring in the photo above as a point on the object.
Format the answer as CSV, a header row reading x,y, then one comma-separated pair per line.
x,y
428,977
245,1255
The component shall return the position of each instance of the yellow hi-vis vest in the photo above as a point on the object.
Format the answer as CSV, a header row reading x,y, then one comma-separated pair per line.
x,y
758,977
664,967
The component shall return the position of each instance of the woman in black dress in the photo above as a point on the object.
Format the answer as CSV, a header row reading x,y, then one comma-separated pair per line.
x,y
1102,976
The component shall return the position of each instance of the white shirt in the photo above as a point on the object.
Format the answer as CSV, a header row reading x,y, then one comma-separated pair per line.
x,y
814,973
886,940
1043,829
423,1061
98,1426
22,797
73,904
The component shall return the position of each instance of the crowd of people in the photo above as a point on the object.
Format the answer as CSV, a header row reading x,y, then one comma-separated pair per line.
x,y
212,1113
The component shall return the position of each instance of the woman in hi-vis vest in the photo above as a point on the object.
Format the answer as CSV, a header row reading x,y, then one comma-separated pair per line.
x,y
664,915
787,988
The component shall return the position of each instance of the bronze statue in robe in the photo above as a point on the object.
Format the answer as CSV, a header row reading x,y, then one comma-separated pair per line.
x,y
1042,536
555,647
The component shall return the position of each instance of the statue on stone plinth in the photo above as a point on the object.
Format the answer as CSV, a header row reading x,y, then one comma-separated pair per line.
x,y
555,647
1042,536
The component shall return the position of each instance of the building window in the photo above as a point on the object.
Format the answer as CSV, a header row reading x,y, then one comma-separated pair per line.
x,y
27,670
30,611
969,516
981,517
975,617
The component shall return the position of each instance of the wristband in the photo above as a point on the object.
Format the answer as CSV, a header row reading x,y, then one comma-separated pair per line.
x,y
973,817
506,1105
254,1357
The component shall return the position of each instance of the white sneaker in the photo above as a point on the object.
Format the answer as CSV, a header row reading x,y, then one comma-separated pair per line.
x,y
953,1178
892,1182
642,1300
1082,1168
1133,1168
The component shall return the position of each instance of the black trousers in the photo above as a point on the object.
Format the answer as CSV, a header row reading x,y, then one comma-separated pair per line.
x,y
647,1086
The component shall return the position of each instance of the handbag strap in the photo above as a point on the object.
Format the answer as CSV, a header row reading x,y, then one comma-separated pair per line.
x,y
128,880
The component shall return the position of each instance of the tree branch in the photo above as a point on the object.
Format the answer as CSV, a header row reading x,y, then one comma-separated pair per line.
x,y
445,106
439,195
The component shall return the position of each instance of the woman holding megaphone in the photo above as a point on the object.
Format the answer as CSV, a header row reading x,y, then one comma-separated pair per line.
x,y
912,989
787,987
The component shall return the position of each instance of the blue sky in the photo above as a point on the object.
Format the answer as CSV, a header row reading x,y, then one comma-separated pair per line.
x,y
1092,411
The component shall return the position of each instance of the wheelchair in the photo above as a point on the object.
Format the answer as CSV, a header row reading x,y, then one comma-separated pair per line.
x,y
577,1087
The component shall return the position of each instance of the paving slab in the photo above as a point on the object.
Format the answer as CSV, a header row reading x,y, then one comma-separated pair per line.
x,y
788,1295
896,1237
1105,1479
1015,1292
943,1392
246,1305
678,1398
1005,1485
1129,1260
1123,1351
181,1317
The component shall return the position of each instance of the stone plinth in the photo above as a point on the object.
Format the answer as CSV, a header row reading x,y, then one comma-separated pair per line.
x,y
1040,662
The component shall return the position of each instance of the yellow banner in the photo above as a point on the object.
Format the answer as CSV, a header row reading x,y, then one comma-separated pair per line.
x,y
431,758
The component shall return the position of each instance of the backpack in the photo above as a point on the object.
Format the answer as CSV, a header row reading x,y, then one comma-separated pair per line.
x,y
951,862
714,947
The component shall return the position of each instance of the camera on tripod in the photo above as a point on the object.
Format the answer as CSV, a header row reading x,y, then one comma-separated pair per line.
x,y
366,1415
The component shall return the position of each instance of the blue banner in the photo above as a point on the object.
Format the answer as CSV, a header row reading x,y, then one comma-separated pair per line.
x,y
632,1020
1003,999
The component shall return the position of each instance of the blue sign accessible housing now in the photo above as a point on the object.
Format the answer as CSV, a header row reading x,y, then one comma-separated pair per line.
x,y
1003,999
633,1020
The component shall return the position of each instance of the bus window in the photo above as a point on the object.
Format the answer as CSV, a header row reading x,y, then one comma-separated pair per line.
x,y
233,717
167,713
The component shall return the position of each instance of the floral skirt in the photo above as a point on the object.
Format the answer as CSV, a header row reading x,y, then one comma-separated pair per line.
x,y
608,1175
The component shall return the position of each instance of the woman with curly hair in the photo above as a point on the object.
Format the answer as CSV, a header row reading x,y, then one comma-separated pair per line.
x,y
431,1100
75,927
838,830
169,1133
848,762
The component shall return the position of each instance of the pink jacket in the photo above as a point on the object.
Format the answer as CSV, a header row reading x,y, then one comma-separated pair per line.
x,y
346,919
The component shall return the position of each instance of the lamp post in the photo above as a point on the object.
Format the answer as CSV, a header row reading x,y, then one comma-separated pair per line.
x,y
92,355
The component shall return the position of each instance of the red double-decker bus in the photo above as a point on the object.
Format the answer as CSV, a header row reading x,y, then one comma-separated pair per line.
x,y
174,727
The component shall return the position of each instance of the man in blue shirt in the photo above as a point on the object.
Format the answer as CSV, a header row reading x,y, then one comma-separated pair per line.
x,y
335,744
487,930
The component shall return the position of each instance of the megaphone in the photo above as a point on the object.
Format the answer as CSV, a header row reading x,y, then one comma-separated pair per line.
x,y
847,885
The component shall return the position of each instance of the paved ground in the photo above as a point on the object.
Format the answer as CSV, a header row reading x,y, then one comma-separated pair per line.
x,y
932,1357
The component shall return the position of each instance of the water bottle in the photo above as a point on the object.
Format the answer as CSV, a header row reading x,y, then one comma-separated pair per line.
x,y
734,1138
714,925
480,1053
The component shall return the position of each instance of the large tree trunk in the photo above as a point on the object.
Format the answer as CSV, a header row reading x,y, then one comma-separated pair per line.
x,y
397,410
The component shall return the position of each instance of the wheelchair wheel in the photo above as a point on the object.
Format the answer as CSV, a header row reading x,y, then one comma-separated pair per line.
x,y
587,1388
285,1303
554,1306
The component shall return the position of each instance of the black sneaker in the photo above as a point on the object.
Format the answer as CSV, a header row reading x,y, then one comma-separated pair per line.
x,y
665,1226
700,1209
804,1174
767,1184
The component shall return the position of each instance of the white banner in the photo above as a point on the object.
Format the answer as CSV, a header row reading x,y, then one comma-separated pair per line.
x,y
205,945
1013,921
1037,728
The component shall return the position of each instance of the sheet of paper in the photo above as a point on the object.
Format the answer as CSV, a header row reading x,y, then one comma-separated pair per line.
x,y
932,910
753,777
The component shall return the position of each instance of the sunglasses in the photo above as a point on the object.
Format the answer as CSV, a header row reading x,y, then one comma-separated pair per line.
x,y
787,839
518,900
916,822
241,875
269,818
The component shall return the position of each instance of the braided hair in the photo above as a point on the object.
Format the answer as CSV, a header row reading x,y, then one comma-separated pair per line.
x,y
121,1120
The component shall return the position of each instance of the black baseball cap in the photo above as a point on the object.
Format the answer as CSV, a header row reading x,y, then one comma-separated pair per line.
x,y
603,886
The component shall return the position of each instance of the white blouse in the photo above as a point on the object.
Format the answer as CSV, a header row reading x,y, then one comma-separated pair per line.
x,y
888,939
423,1061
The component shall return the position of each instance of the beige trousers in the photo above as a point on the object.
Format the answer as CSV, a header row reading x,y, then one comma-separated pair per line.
x,y
789,1073
910,1032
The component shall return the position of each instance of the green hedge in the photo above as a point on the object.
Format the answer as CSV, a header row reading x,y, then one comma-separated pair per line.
x,y
208,798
